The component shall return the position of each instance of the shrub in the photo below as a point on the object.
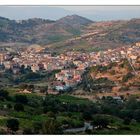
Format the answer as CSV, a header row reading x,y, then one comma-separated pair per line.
x,y
100,121
18,107
21,99
13,124
4,94
128,76
125,88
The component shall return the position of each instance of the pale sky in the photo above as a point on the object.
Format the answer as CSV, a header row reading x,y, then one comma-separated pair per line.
x,y
88,8
95,13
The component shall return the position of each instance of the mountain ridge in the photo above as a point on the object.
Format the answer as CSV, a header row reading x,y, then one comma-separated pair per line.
x,y
71,32
46,28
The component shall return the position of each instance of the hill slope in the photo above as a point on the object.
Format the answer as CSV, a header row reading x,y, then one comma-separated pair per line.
x,y
41,31
71,33
103,35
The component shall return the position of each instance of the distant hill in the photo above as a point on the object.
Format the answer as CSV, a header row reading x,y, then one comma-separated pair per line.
x,y
103,35
72,32
74,20
41,31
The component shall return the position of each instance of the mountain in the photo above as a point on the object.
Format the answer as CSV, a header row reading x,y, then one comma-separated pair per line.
x,y
116,33
41,31
61,29
74,20
102,35
72,32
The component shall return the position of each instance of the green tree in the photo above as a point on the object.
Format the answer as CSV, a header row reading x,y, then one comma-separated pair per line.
x,y
19,107
128,76
9,106
136,115
50,126
51,114
21,99
4,94
100,121
37,127
87,115
132,103
13,125
127,121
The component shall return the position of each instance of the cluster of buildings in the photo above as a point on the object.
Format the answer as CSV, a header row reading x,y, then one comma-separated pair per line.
x,y
70,64
68,78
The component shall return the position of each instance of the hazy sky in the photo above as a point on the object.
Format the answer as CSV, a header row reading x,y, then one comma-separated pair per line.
x,y
95,13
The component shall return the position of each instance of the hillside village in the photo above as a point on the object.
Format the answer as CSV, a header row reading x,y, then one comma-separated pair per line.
x,y
71,65
70,91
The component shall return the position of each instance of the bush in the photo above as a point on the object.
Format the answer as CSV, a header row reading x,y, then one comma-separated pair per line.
x,y
13,124
9,106
137,115
18,107
127,77
50,126
87,115
126,88
51,114
4,94
37,126
100,121
127,121
21,99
